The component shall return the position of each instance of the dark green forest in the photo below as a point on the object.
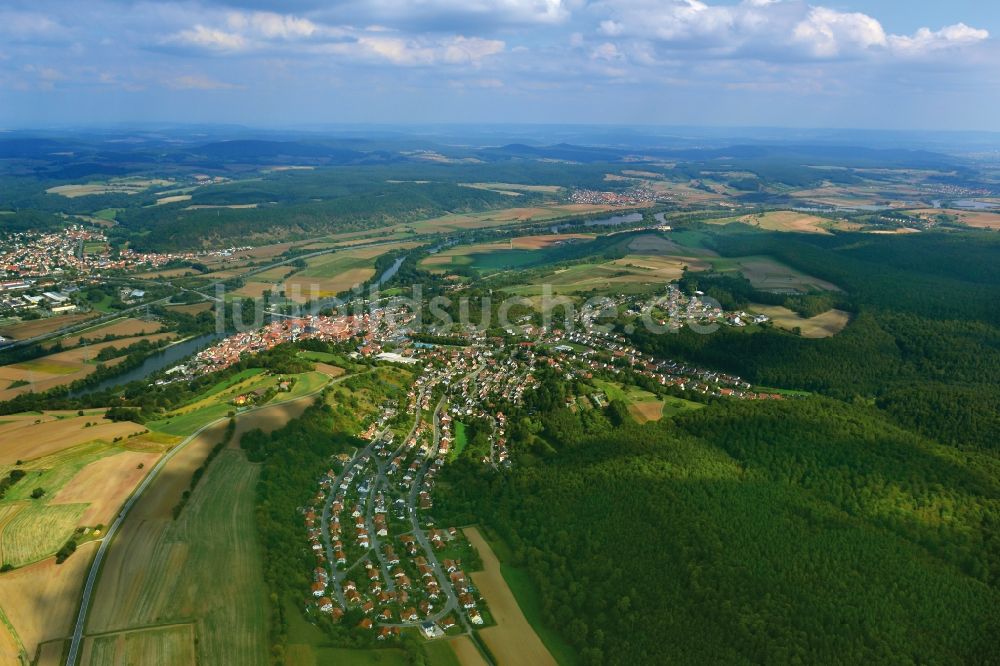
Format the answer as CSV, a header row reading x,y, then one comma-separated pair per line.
x,y
805,531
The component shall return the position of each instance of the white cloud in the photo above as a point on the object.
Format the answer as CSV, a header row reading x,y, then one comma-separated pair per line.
x,y
925,40
500,11
210,39
768,30
198,82
407,51
827,33
25,26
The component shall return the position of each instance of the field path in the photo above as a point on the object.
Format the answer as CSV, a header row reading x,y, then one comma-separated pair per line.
x,y
513,640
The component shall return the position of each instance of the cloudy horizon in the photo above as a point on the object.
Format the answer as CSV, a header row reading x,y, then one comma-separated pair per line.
x,y
865,64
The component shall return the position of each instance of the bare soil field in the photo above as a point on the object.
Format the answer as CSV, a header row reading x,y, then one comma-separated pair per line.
x,y
45,596
105,485
29,329
822,325
512,640
466,651
25,439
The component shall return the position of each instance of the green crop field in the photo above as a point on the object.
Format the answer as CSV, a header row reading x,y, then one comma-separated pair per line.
x,y
166,646
37,531
204,568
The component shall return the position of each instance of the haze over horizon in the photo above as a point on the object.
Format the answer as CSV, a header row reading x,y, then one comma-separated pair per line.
x,y
756,63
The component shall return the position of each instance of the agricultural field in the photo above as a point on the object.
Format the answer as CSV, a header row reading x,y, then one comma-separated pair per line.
x,y
822,325
464,650
169,646
35,327
643,405
45,596
330,274
24,439
201,571
771,275
512,640
119,327
112,186
787,220
157,570
514,189
502,254
38,531
192,308
606,278
979,219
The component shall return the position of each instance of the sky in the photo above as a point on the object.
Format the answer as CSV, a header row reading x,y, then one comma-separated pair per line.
x,y
881,64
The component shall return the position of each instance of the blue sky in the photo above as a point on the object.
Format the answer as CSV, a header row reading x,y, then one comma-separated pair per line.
x,y
920,64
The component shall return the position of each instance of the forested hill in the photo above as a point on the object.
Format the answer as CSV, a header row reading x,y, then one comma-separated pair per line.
x,y
923,343
805,531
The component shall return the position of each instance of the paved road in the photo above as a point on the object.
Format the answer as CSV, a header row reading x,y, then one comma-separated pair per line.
x,y
95,567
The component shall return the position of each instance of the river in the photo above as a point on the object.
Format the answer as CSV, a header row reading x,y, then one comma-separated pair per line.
x,y
158,361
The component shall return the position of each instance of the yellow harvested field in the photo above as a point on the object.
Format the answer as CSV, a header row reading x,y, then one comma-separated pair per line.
x,y
177,198
105,484
30,329
512,640
45,596
171,645
466,651
24,439
822,325
787,220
